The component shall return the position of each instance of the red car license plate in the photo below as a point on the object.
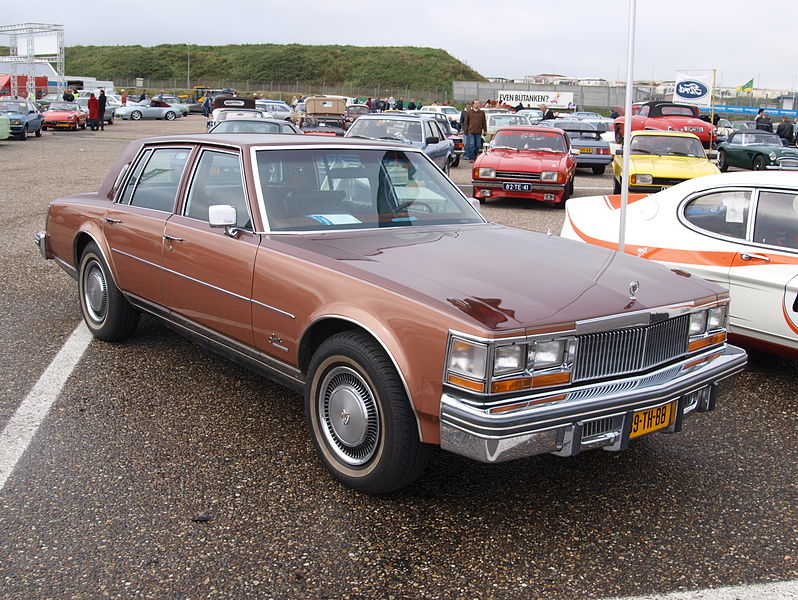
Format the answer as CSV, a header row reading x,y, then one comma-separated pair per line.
x,y
517,187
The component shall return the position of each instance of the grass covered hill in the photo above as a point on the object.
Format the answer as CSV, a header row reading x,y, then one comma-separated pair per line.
x,y
356,65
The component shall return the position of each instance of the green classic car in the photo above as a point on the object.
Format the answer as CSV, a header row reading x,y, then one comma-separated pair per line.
x,y
756,149
5,128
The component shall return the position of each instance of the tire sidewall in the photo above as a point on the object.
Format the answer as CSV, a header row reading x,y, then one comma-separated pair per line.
x,y
722,163
358,476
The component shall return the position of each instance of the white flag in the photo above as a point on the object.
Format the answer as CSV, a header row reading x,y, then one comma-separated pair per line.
x,y
693,88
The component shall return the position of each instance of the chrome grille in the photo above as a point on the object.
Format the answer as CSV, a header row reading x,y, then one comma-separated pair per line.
x,y
516,175
788,163
598,427
630,350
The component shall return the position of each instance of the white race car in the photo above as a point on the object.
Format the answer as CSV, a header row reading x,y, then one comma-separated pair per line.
x,y
736,229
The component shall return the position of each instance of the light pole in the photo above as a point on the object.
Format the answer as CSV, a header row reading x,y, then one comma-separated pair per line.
x,y
627,124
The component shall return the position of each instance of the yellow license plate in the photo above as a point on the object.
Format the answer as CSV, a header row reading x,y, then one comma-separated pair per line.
x,y
585,150
651,419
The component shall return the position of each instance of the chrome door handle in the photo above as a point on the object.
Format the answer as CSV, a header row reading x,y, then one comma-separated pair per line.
x,y
748,256
171,238
112,221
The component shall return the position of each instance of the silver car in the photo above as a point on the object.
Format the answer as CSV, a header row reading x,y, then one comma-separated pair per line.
x,y
147,109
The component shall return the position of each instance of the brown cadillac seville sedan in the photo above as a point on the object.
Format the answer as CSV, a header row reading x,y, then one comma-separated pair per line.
x,y
356,272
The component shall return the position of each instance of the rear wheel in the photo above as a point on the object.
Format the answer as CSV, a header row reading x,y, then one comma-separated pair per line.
x,y
722,164
39,132
359,415
759,163
616,186
107,313
456,161
599,169
170,116
618,134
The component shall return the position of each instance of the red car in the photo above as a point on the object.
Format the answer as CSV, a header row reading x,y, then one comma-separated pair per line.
x,y
526,162
64,115
667,116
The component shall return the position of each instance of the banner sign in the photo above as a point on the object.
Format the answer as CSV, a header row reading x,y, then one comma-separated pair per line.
x,y
534,98
752,110
694,88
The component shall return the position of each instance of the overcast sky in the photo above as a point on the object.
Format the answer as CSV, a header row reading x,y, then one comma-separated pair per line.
x,y
506,38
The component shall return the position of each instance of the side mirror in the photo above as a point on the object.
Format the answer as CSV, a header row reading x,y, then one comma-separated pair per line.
x,y
222,215
619,152
431,140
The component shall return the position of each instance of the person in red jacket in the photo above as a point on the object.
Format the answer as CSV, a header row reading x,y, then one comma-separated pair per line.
x,y
94,112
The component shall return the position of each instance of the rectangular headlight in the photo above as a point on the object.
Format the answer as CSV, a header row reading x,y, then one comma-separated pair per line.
x,y
717,318
468,358
509,359
550,176
698,323
486,172
544,355
644,179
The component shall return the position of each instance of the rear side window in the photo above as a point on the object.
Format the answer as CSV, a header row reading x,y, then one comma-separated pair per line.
x,y
723,213
156,179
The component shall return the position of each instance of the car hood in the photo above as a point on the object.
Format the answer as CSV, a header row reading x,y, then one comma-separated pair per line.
x,y
671,166
502,278
520,161
61,113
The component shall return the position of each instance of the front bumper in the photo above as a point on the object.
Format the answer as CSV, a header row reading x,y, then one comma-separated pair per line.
x,y
597,415
547,192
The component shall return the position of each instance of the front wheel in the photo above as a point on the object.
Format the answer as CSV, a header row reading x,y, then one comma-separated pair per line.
x,y
723,165
359,416
24,135
135,115
616,186
759,163
170,116
107,313
38,132
618,134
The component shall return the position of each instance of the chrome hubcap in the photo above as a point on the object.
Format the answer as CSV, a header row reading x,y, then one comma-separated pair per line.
x,y
95,292
348,416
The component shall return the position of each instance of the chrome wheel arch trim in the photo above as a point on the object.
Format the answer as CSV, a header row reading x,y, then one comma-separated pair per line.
x,y
382,344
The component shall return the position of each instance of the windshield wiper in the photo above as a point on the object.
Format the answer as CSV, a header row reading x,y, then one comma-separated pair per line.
x,y
640,151
391,137
504,148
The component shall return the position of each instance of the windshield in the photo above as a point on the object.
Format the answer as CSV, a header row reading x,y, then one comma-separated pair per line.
x,y
73,106
401,130
13,107
677,111
502,120
242,126
529,140
757,137
666,145
329,189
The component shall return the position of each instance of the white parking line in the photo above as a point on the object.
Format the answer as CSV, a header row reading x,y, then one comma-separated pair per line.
x,y
784,590
22,426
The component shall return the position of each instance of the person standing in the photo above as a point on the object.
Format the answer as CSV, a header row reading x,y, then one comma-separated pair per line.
x,y
400,104
206,106
412,105
102,101
762,120
474,127
94,111
124,98
547,112
784,131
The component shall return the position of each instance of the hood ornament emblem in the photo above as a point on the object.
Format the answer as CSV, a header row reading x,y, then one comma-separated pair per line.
x,y
634,287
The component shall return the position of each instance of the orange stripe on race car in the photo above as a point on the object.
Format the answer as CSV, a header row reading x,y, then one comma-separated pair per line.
x,y
614,201
790,324
669,255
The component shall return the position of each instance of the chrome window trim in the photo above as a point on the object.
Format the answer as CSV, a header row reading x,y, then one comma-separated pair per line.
x,y
120,191
188,147
193,174
259,190
752,222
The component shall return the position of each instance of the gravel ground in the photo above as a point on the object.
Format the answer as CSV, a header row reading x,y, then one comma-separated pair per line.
x,y
164,471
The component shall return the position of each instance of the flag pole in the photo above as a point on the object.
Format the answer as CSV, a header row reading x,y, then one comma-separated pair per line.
x,y
627,125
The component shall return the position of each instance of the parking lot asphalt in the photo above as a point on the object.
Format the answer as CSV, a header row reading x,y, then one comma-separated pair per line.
x,y
163,471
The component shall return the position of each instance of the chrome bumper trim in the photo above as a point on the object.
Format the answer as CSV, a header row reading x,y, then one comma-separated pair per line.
x,y
556,427
40,238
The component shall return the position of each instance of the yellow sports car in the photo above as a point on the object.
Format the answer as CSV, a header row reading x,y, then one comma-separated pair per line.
x,y
660,159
